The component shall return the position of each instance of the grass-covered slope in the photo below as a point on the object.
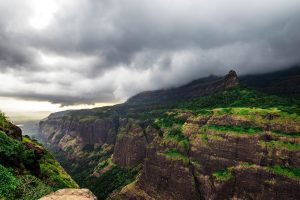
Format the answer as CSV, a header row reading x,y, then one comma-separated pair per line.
x,y
270,122
27,170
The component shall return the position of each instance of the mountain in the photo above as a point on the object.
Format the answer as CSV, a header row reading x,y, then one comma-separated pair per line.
x,y
285,83
213,138
27,169
196,88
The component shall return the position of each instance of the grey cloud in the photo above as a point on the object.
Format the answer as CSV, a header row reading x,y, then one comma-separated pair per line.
x,y
118,48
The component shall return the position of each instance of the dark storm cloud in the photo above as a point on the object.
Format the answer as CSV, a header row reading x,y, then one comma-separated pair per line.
x,y
96,51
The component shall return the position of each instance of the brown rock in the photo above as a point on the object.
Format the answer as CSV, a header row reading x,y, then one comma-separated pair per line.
x,y
130,148
70,194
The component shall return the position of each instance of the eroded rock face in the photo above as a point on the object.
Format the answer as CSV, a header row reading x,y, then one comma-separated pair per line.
x,y
164,178
250,183
130,148
75,134
70,194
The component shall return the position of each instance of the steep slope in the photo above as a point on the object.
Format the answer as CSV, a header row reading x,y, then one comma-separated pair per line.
x,y
27,170
195,147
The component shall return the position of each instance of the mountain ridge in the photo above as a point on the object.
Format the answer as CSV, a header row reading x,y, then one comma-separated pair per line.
x,y
203,147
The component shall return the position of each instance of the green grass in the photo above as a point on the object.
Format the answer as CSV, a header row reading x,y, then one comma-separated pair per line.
x,y
237,129
246,164
176,135
54,174
222,175
167,121
175,154
286,171
205,138
291,134
239,97
281,144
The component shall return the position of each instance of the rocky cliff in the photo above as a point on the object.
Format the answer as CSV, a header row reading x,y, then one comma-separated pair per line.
x,y
226,142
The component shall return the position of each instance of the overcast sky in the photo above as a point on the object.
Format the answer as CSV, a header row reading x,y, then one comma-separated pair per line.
x,y
72,52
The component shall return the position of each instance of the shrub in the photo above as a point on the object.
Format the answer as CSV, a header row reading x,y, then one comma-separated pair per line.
x,y
54,174
8,183
175,154
31,188
238,129
286,171
223,175
111,180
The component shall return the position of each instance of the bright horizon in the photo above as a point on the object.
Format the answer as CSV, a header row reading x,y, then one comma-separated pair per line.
x,y
20,110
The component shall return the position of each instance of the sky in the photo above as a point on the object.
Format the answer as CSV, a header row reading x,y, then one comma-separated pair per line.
x,y
71,54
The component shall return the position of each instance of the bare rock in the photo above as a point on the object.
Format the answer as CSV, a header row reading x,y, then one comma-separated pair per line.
x,y
70,194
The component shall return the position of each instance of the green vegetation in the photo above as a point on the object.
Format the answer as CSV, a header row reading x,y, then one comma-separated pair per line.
x,y
286,171
246,164
3,120
205,138
222,175
22,175
12,150
8,183
32,188
114,179
176,135
167,120
175,154
55,174
239,97
291,134
281,144
237,129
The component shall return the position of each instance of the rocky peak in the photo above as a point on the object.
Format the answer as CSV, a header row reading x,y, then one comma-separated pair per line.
x,y
231,79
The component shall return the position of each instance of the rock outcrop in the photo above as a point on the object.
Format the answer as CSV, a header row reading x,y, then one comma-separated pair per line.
x,y
70,194
11,130
130,148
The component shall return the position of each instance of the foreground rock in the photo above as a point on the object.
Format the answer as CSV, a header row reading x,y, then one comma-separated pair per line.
x,y
70,194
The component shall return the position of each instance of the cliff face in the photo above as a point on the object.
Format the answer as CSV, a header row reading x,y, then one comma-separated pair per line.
x,y
220,163
234,143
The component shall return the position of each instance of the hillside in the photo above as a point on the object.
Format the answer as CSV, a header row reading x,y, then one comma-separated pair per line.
x,y
228,141
27,170
285,83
